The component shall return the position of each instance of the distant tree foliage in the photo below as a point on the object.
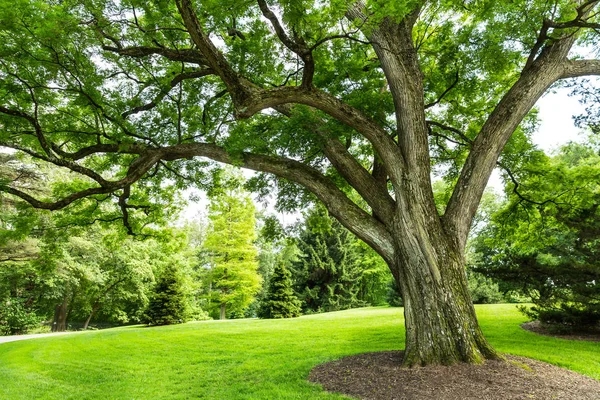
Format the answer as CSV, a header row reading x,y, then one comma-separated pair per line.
x,y
168,303
393,296
483,289
16,318
332,271
546,242
231,279
280,300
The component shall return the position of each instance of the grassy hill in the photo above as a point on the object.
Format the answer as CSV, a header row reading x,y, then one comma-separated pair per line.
x,y
239,359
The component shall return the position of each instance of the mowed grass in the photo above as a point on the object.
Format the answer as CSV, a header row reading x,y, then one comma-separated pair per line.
x,y
241,359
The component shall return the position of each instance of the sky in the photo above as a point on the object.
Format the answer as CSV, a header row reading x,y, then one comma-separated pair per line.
x,y
557,127
556,113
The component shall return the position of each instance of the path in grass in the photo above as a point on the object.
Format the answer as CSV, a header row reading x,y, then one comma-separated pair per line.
x,y
14,338
243,359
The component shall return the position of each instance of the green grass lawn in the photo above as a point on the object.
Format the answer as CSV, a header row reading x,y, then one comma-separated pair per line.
x,y
241,359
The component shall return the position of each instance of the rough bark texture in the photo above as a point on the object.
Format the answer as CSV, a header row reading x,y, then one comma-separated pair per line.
x,y
441,325
223,315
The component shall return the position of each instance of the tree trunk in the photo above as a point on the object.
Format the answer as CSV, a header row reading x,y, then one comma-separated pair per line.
x,y
59,323
223,316
95,308
441,325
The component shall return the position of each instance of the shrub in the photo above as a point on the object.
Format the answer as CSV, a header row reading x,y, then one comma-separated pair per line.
x,y
15,319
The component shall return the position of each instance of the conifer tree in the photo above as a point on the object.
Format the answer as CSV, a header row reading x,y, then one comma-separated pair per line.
x,y
280,300
327,272
168,303
232,280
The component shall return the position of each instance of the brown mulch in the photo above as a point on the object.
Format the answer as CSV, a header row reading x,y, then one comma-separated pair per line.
x,y
378,376
541,329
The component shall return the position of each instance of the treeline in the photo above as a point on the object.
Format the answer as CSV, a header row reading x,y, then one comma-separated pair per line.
x,y
538,242
62,273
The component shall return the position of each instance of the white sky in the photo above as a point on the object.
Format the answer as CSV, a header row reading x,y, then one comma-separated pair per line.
x,y
556,111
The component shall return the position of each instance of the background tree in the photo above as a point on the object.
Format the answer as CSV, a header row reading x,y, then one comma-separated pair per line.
x,y
168,304
280,301
231,279
328,275
544,242
363,95
275,245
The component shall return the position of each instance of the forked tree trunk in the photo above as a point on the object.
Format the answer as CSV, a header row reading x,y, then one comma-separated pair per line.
x,y
441,325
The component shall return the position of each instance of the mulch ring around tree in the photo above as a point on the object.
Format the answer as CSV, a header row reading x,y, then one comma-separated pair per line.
x,y
592,335
379,376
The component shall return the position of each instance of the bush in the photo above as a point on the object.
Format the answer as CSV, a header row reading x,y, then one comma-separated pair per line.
x,y
15,319
569,315
483,290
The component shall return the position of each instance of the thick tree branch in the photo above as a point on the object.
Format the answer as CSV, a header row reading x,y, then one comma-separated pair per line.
x,y
375,194
239,92
394,46
135,172
191,56
368,187
579,21
349,214
577,68
535,79
249,99
99,148
353,217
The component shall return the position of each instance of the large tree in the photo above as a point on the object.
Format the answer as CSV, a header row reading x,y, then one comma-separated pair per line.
x,y
347,100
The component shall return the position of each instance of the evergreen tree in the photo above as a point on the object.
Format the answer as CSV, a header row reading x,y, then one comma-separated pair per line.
x,y
545,242
280,300
327,272
168,303
231,280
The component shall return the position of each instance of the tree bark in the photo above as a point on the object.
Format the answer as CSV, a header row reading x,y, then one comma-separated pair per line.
x,y
95,308
223,315
440,320
59,323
